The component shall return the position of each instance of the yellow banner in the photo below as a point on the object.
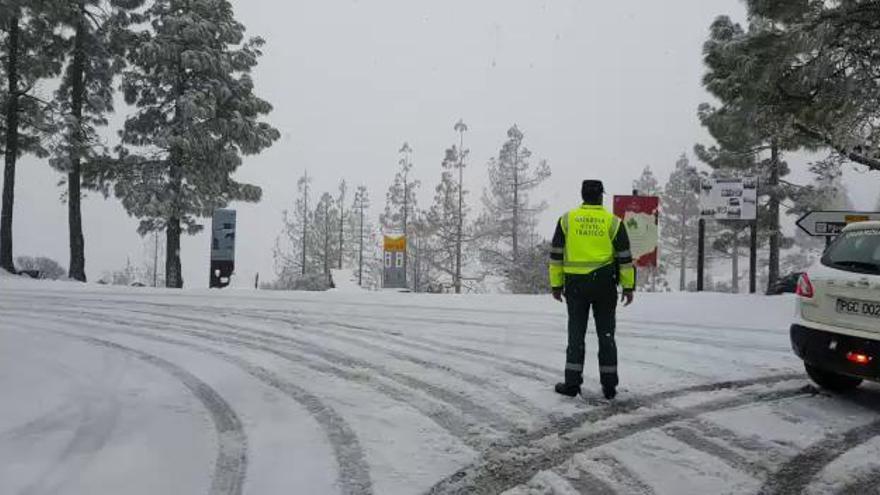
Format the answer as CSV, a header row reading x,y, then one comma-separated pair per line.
x,y
857,218
395,244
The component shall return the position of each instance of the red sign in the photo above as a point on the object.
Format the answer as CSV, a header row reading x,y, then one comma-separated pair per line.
x,y
641,215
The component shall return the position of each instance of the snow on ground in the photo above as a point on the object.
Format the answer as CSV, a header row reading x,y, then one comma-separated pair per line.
x,y
138,390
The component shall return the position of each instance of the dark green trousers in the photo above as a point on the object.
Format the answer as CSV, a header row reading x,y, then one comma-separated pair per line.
x,y
583,293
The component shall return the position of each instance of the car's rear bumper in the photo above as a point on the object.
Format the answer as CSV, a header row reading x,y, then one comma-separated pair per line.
x,y
828,351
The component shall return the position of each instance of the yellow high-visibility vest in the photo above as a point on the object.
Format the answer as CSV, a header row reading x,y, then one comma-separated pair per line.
x,y
590,231
589,239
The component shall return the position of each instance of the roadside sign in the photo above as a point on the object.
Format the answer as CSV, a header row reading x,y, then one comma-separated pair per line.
x,y
831,223
640,215
394,275
222,248
729,199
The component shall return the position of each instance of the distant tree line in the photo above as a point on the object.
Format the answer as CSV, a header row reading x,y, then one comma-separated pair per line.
x,y
451,245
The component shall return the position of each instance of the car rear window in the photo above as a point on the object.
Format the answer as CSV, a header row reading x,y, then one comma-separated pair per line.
x,y
855,251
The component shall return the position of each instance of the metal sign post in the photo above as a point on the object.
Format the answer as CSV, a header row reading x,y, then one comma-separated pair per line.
x,y
753,257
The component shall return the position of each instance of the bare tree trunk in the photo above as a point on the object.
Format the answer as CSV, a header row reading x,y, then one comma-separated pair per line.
x,y
773,185
327,232
405,231
173,275
361,250
74,176
305,219
12,75
682,262
460,230
515,206
341,223
735,262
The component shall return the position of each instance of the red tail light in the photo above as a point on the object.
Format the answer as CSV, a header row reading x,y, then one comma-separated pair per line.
x,y
805,287
859,358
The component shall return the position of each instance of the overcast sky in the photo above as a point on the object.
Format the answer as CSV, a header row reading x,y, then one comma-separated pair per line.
x,y
600,90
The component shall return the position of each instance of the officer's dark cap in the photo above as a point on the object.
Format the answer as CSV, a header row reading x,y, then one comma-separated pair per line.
x,y
592,188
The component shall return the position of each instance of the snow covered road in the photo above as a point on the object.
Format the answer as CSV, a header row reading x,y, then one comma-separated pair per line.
x,y
109,390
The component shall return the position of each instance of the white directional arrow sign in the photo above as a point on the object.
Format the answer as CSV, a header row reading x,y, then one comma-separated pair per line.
x,y
831,223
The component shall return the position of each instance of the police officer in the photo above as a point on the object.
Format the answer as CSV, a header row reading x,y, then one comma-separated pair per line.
x,y
589,258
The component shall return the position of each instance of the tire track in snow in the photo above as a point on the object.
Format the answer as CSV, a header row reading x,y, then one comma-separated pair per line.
x,y
97,421
796,474
446,418
583,481
543,315
432,346
56,419
622,475
230,467
509,468
429,345
519,402
696,441
354,473
496,420
862,484
552,371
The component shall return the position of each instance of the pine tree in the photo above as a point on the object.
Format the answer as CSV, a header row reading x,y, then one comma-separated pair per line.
x,y
343,219
291,251
189,78
447,219
401,204
361,227
510,217
459,164
680,214
94,56
423,253
826,192
749,126
647,184
323,234
30,51
829,95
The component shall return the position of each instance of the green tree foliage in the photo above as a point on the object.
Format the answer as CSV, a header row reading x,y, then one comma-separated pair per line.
x,y
325,228
679,216
401,206
818,59
750,125
292,254
509,218
197,115
647,183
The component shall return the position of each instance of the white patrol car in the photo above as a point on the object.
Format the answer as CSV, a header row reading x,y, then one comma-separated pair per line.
x,y
837,330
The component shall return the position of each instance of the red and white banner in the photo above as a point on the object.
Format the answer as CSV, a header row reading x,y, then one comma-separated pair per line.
x,y
641,215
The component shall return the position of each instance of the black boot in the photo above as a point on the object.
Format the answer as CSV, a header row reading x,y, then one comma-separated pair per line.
x,y
566,389
609,391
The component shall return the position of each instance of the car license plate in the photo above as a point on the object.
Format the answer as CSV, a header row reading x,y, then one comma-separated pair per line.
x,y
861,308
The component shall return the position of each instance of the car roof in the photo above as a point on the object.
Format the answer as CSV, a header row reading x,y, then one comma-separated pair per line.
x,y
862,226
